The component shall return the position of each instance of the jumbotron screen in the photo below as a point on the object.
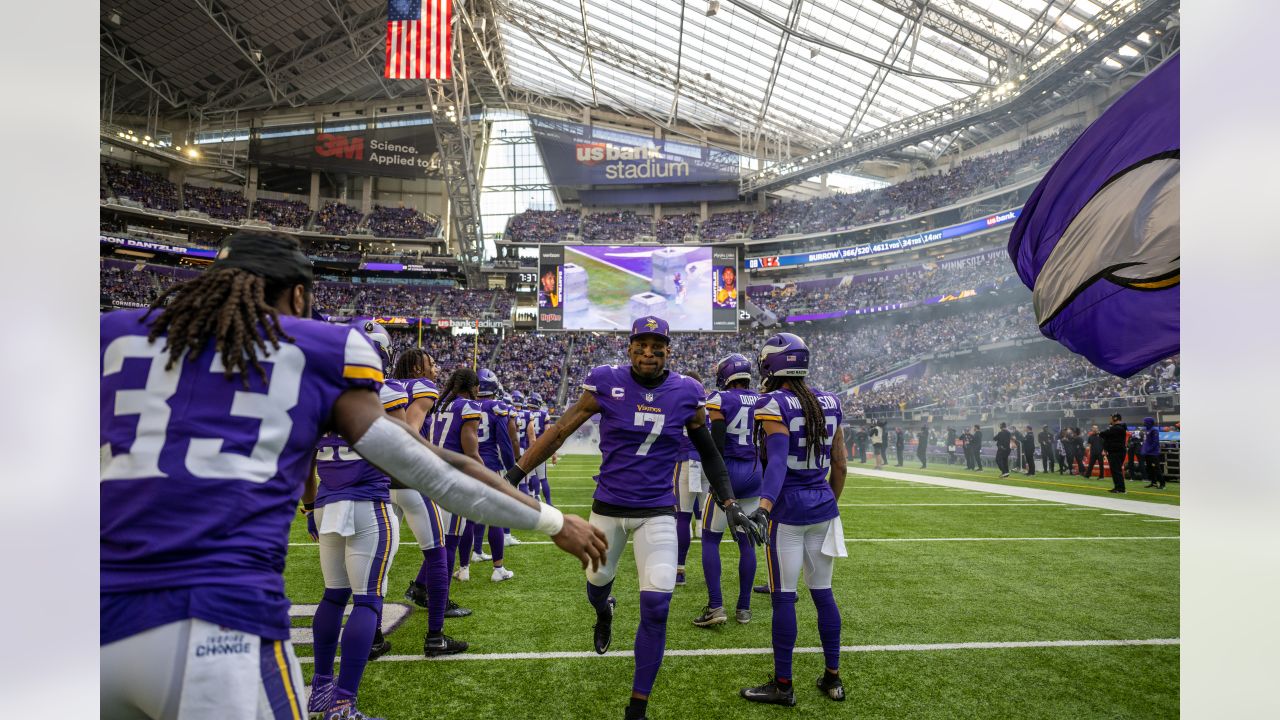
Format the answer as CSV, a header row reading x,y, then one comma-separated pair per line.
x,y
605,287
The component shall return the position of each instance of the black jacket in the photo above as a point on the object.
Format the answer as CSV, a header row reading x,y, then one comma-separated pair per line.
x,y
977,438
1113,438
1002,440
1046,437
1095,442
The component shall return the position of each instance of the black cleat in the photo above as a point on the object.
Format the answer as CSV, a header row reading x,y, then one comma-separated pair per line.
x,y
456,611
416,594
772,692
762,589
381,646
831,686
442,645
603,629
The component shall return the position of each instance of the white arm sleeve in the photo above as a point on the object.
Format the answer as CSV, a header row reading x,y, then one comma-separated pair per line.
x,y
404,458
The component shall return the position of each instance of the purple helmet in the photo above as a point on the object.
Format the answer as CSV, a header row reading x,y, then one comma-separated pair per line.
x,y
517,398
380,337
732,367
784,355
489,385
534,400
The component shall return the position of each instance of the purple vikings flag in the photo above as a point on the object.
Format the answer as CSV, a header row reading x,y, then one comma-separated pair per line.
x,y
1098,240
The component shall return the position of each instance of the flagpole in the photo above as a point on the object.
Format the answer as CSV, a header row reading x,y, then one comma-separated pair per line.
x,y
419,333
475,352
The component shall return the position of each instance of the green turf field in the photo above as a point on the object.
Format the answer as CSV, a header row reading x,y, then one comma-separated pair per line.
x,y
608,288
1135,489
926,566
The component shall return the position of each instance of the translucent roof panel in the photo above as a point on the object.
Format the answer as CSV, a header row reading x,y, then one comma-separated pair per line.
x,y
817,71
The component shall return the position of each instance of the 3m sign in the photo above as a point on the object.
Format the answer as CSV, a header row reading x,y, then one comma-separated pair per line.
x,y
340,146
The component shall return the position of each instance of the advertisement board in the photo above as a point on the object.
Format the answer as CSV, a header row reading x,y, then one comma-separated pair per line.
x,y
885,246
403,152
576,154
606,287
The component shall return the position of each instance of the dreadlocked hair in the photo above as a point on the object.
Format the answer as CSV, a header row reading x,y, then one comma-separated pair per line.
x,y
461,380
227,304
815,423
410,364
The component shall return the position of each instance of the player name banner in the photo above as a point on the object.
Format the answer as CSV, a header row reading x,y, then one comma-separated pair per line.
x,y
606,287
889,380
886,246
153,246
576,154
403,152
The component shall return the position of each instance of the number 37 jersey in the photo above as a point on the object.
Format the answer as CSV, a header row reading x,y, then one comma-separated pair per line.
x,y
201,474
640,434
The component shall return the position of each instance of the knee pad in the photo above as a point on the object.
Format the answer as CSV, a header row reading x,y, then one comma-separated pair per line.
x,y
373,602
337,596
605,575
662,577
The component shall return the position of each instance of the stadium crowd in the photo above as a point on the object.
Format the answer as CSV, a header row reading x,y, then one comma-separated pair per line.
x,y
338,218
148,189
217,203
615,227
401,222
282,213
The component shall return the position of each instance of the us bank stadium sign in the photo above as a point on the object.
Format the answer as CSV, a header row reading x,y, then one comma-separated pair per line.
x,y
885,246
576,154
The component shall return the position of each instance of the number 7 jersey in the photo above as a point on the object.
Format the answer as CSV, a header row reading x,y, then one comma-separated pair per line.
x,y
201,474
640,435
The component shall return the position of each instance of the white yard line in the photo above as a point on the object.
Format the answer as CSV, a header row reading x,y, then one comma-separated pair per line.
x,y
407,543
932,647
1066,498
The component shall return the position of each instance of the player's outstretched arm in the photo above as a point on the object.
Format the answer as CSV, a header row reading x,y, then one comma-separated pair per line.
x,y
554,436
401,453
839,464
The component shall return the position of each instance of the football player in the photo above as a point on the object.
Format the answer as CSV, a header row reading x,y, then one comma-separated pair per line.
x,y
358,540
497,452
731,410
688,494
644,409
429,523
205,453
536,421
804,471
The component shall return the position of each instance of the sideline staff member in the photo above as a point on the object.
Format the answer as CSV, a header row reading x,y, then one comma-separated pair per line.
x,y
1113,442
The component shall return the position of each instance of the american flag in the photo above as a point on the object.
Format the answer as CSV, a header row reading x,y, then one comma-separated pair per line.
x,y
419,44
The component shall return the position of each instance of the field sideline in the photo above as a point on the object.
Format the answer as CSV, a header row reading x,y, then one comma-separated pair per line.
x,y
955,604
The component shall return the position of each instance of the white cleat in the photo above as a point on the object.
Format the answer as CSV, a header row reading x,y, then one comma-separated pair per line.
x,y
500,574
462,574
509,540
480,557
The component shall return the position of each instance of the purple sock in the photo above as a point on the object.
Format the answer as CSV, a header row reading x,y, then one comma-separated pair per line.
x,y
326,626
546,492
437,583
683,536
828,625
598,596
496,544
651,639
451,549
465,540
746,570
357,640
478,539
422,569
711,567
784,632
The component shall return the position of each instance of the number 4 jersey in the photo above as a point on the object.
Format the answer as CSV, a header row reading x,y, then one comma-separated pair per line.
x,y
640,435
806,497
201,474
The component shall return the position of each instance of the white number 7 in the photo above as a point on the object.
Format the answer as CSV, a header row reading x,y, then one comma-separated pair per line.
x,y
644,418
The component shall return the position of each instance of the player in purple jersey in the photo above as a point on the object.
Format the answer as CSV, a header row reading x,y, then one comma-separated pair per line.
x,y
211,405
644,409
731,410
688,494
804,471
536,421
507,438
352,520
460,423
496,439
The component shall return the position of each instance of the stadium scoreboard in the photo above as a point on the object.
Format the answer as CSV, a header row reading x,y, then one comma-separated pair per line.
x,y
606,287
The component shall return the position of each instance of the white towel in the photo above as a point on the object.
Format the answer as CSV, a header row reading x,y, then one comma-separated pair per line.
x,y
833,544
338,517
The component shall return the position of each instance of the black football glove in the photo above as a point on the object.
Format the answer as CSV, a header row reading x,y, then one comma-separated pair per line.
x,y
760,519
740,523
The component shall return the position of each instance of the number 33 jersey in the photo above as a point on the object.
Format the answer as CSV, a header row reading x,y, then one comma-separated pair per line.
x,y
640,434
201,474
805,498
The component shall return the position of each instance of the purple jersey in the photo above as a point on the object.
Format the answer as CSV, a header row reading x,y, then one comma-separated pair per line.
x,y
201,475
522,427
740,457
805,497
446,423
344,475
492,433
535,423
640,431
422,389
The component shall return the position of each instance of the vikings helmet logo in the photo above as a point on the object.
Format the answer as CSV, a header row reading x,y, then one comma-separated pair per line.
x,y
651,323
